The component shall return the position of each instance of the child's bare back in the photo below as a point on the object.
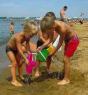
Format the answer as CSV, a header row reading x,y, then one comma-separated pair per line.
x,y
15,39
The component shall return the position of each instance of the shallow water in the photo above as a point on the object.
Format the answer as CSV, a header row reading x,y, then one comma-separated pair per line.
x,y
4,28
3,59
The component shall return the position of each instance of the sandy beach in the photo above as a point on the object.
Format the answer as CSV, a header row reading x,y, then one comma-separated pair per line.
x,y
47,86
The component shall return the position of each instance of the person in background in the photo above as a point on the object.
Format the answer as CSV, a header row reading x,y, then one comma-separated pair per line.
x,y
63,16
11,28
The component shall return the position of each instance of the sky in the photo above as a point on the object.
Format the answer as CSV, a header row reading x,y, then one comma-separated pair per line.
x,y
38,8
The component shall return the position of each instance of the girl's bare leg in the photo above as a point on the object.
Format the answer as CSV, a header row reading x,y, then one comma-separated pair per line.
x,y
37,73
20,66
12,59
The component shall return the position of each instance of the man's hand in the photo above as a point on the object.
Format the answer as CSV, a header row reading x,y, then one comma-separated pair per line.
x,y
27,62
39,49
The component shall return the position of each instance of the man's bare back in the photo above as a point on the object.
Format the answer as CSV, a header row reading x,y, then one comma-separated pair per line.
x,y
64,30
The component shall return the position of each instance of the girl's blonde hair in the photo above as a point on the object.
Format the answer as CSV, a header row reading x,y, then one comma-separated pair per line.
x,y
30,27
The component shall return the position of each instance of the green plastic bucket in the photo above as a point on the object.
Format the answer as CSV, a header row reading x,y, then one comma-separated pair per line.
x,y
42,55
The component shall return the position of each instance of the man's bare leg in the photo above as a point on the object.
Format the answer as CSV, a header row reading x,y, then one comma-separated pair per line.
x,y
48,62
66,78
37,73
12,58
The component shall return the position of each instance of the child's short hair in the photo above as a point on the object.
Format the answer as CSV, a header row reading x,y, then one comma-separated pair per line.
x,y
46,23
65,7
12,23
31,26
50,14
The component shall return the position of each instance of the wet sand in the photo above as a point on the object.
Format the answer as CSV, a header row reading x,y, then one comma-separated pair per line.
x,y
3,58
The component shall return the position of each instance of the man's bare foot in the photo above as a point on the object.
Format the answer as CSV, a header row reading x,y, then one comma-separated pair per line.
x,y
16,83
10,65
37,74
63,82
21,77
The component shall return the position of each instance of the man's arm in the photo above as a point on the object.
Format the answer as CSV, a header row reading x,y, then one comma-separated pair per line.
x,y
28,46
48,41
41,36
19,47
